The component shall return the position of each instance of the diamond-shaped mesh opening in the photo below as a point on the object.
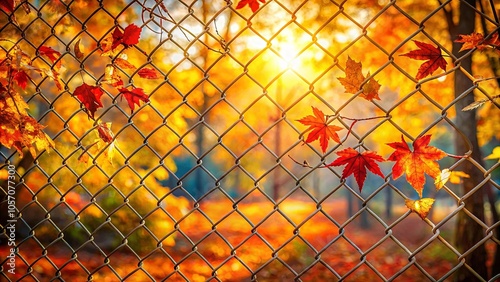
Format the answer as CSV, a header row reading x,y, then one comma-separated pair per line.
x,y
211,176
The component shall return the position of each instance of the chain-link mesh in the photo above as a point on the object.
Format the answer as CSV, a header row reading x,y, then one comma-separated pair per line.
x,y
205,181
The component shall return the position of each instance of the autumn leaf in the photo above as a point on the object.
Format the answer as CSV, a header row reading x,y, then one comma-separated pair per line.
x,y
52,54
17,129
320,129
476,40
354,79
253,4
124,64
7,6
432,55
357,163
130,36
446,175
134,96
21,78
90,96
421,207
417,163
78,50
111,76
149,73
104,132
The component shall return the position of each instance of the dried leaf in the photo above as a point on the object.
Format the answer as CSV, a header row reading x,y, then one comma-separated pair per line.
x,y
134,96
432,55
421,207
149,73
446,175
357,163
111,76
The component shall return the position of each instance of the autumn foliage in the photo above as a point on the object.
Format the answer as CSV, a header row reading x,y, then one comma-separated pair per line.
x,y
101,84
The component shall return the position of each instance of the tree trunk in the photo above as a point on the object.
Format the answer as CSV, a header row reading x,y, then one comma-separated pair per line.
x,y
468,233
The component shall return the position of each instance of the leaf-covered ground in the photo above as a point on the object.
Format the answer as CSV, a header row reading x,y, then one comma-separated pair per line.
x,y
275,249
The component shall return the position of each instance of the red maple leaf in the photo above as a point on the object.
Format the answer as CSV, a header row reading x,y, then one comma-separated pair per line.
x,y
432,55
130,36
357,163
320,129
149,73
90,96
253,4
134,96
417,163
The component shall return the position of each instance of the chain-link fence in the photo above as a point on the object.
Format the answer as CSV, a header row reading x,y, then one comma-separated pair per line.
x,y
203,172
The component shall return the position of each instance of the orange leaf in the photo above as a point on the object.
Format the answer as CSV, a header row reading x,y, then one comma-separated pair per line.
x,y
320,129
253,4
417,163
357,163
354,79
421,207
149,73
432,55
90,96
134,96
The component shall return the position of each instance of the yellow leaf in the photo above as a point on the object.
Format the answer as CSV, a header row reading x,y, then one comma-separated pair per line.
x,y
495,154
421,207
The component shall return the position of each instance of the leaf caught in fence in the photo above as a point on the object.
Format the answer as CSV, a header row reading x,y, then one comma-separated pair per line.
x,y
78,51
432,55
479,103
320,129
446,175
416,163
354,79
253,4
149,73
357,163
495,154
